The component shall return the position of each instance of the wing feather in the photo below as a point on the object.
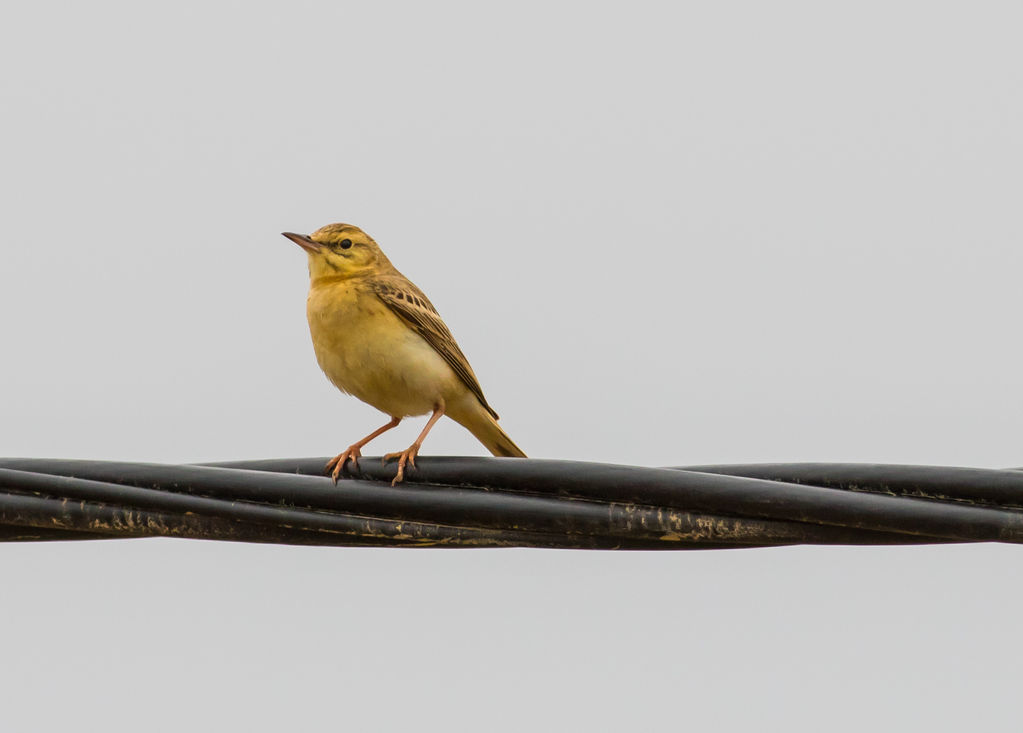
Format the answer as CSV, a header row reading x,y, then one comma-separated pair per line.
x,y
410,304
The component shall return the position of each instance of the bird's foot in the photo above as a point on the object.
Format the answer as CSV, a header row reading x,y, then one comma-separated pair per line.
x,y
404,457
337,464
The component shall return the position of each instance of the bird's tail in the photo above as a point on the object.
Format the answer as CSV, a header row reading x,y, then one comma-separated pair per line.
x,y
488,432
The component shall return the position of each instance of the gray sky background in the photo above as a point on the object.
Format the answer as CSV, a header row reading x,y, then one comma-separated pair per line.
x,y
663,234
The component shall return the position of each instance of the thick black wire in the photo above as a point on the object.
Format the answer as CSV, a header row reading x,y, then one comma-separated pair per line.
x,y
469,502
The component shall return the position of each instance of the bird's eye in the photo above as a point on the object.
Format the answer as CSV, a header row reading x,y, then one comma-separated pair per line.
x,y
346,243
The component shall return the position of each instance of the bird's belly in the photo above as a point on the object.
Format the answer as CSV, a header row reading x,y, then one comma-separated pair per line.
x,y
373,355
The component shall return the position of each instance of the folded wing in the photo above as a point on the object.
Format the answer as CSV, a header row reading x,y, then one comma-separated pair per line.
x,y
409,303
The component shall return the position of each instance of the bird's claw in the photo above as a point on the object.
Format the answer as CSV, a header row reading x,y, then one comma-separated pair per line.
x,y
404,457
336,465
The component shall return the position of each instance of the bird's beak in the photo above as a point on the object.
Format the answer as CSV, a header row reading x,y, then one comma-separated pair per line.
x,y
303,241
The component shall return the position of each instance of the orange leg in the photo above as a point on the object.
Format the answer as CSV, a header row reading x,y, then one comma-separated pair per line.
x,y
337,464
409,456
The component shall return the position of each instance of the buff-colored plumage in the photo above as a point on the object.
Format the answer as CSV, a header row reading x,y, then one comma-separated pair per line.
x,y
377,337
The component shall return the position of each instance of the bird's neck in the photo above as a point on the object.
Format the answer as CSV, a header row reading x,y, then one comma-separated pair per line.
x,y
322,281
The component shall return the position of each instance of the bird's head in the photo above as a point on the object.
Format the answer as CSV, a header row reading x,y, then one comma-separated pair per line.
x,y
339,250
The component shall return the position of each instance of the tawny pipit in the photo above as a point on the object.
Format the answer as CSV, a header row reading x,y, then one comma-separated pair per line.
x,y
377,337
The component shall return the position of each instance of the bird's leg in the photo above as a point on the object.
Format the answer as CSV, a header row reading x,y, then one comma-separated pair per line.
x,y
409,455
337,464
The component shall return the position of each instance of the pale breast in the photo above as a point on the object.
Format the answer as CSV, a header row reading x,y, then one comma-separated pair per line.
x,y
367,351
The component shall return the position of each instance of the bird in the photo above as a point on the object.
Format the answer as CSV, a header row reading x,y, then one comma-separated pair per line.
x,y
377,337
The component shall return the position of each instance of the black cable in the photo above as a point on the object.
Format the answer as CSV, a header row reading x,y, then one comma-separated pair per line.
x,y
484,502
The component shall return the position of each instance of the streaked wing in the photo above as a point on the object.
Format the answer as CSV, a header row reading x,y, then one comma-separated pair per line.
x,y
409,303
